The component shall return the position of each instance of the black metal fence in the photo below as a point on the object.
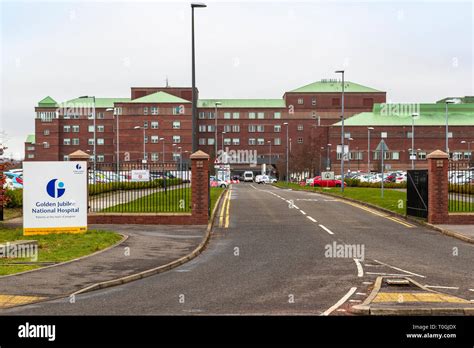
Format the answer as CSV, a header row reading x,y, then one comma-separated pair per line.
x,y
461,187
135,187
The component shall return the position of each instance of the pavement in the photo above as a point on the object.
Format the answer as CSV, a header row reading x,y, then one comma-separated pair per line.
x,y
147,247
466,231
275,251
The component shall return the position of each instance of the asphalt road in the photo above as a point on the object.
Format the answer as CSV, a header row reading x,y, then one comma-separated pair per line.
x,y
272,259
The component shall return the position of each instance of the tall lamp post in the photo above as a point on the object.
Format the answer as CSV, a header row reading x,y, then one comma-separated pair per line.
x,y
144,142
320,157
193,72
368,148
215,128
270,162
163,157
412,156
94,162
342,130
349,153
449,101
328,160
287,174
118,139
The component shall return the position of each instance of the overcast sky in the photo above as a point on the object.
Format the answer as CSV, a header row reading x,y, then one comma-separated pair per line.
x,y
417,52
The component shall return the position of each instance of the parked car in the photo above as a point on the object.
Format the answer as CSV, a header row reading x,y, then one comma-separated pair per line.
x,y
326,183
264,179
401,178
248,176
214,182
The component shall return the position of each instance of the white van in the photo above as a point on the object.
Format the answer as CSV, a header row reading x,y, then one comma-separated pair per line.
x,y
248,176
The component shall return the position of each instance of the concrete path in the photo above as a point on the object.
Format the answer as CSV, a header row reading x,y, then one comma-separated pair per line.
x,y
148,246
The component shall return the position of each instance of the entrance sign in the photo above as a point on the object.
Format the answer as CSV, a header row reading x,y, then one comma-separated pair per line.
x,y
54,197
139,175
327,175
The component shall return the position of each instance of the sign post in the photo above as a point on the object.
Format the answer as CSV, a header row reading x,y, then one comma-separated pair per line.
x,y
54,197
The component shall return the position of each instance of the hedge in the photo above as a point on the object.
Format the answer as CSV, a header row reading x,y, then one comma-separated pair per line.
x,y
466,189
95,189
358,183
14,198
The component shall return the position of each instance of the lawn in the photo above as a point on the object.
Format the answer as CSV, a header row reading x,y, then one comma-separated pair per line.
x,y
55,247
175,201
393,200
456,206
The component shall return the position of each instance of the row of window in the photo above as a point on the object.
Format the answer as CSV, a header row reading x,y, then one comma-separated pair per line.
x,y
236,115
236,141
155,110
235,128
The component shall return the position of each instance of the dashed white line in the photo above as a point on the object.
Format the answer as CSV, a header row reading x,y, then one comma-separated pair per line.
x,y
326,229
360,270
399,269
471,289
302,212
355,300
340,302
361,293
309,217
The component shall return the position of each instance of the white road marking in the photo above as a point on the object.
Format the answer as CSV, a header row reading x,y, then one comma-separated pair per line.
x,y
182,270
355,300
309,217
361,293
302,212
386,274
360,270
326,229
341,310
340,302
442,287
471,289
399,269
367,283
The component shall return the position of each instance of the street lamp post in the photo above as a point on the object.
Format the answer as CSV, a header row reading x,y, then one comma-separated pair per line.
x,y
286,124
117,141
215,128
349,154
368,148
342,130
94,162
412,157
328,160
270,162
193,73
449,101
163,157
320,157
144,143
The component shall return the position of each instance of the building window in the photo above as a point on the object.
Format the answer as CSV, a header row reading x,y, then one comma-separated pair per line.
x,y
313,101
276,141
177,110
75,129
395,155
227,141
75,141
210,128
100,115
252,128
235,115
336,102
260,115
235,141
252,141
300,101
154,139
202,141
100,141
347,135
154,110
422,155
66,158
202,128
145,110
210,141
227,128
154,125
212,115
67,129
30,148
46,132
154,156
260,128
202,115
90,129
409,135
176,156
300,140
99,129
100,158
176,124
300,127
145,139
176,139
260,141
277,128
30,155
277,115
90,141
46,145
236,128
252,115
227,115
66,141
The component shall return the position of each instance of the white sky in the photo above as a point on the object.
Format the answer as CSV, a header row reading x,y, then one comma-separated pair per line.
x,y
417,52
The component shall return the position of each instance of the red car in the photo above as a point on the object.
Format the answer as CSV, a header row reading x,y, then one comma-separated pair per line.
x,y
325,183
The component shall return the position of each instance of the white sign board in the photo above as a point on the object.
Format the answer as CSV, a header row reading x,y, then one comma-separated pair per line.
x,y
345,155
327,175
54,197
139,175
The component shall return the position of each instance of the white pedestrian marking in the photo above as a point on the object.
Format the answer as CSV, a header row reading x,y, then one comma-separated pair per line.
x,y
399,269
361,293
326,229
360,270
442,287
340,302
386,274
309,217
355,300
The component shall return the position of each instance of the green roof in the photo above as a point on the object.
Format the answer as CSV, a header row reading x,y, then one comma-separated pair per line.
x,y
160,97
88,102
242,103
47,102
400,115
30,139
333,86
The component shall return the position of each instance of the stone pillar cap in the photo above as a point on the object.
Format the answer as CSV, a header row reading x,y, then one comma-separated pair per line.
x,y
438,154
199,155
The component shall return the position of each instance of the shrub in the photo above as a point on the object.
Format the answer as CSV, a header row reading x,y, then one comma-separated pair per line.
x,y
358,183
458,188
98,188
14,198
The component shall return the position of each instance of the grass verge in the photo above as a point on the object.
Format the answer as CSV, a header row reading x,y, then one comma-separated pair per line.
x,y
55,247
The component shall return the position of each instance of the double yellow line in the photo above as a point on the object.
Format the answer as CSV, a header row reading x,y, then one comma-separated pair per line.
x,y
224,215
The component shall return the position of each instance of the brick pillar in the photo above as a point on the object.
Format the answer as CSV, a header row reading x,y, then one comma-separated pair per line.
x,y
438,187
200,187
